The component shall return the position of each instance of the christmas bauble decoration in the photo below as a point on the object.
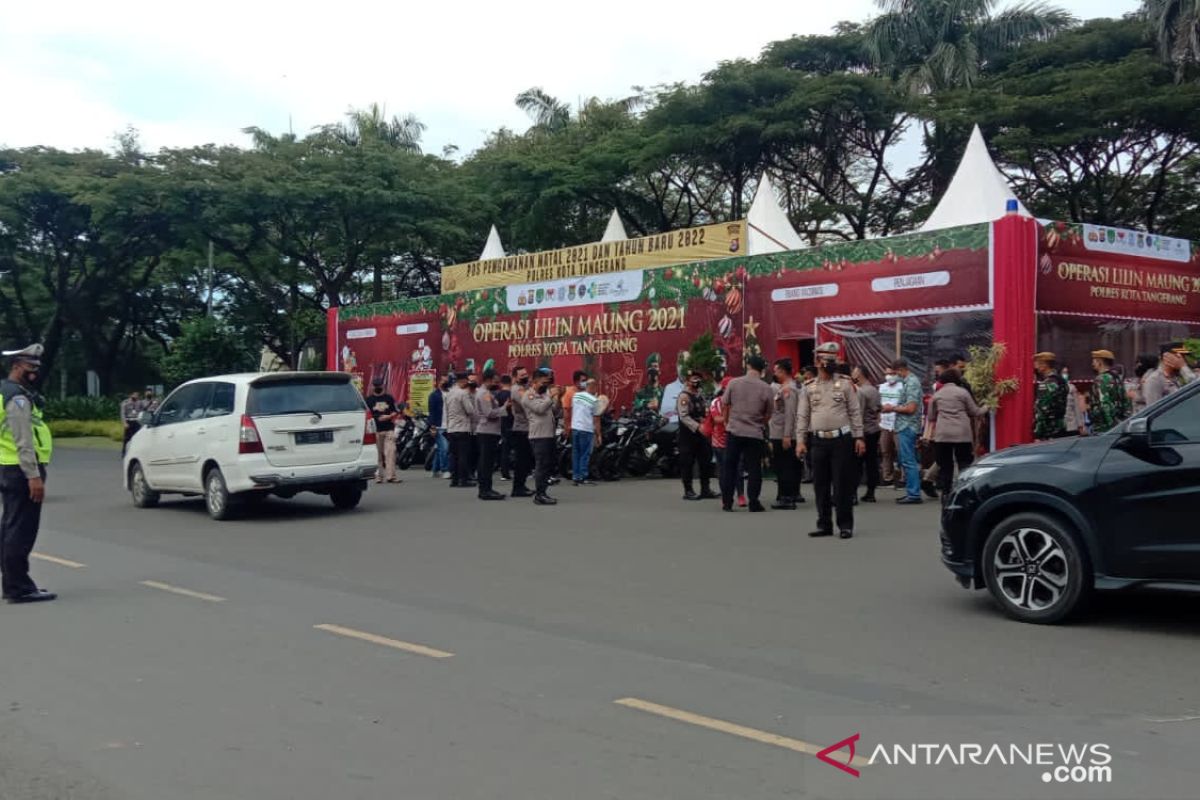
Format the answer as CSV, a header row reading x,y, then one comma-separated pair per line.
x,y
446,340
741,273
451,317
725,327
719,286
733,301
668,273
651,293
710,295
696,282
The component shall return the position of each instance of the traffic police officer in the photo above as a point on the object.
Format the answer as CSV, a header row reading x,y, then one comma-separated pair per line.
x,y
25,447
829,409
693,446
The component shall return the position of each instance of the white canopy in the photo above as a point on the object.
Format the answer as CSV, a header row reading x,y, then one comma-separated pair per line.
x,y
615,232
768,229
977,193
493,248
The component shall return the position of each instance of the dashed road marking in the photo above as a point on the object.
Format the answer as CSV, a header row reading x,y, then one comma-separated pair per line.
x,y
733,729
62,562
395,644
166,587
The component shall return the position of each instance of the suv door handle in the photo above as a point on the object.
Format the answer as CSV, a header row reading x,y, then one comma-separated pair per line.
x,y
200,431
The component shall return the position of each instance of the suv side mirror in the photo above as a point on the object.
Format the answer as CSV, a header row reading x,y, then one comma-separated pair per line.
x,y
146,419
1137,434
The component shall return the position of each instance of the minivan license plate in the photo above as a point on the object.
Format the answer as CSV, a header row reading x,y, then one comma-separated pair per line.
x,y
314,437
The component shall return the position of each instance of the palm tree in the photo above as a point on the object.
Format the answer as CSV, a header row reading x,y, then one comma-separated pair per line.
x,y
551,114
934,46
1176,26
372,125
547,112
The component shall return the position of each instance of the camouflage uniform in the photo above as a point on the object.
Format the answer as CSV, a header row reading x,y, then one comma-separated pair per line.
x,y
644,397
1108,403
1050,407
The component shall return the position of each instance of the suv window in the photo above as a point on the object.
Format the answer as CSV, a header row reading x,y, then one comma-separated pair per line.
x,y
184,404
303,395
1179,423
221,402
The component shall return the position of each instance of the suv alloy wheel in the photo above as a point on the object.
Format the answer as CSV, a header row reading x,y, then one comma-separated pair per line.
x,y
1035,569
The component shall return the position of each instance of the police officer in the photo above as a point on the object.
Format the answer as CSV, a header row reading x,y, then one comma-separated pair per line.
x,y
25,447
522,452
829,409
460,416
1171,376
693,445
488,413
781,432
542,407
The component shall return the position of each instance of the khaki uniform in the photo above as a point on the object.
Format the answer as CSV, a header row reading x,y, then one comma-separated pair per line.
x,y
781,430
829,409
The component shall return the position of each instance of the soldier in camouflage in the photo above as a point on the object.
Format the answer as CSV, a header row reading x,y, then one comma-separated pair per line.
x,y
1050,403
1108,404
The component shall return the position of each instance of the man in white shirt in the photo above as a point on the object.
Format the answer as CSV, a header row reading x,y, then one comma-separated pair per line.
x,y
670,398
889,450
585,429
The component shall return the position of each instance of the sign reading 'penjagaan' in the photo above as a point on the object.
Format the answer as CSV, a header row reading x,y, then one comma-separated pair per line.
x,y
663,249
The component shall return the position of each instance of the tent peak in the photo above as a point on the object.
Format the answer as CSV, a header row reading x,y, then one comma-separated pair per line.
x,y
978,192
493,248
615,231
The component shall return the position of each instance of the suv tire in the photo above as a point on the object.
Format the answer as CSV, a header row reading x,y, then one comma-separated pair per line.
x,y
346,497
217,499
139,489
1036,569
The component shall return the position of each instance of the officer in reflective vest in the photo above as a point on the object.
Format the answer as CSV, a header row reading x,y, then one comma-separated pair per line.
x,y
25,447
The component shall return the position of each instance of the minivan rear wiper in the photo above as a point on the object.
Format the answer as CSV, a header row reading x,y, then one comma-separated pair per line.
x,y
316,414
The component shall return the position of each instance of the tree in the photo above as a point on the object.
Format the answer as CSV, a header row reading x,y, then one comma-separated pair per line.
x,y
1093,128
372,125
703,356
1176,26
933,46
205,347
547,112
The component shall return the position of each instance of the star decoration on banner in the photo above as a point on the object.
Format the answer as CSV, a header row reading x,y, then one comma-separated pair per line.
x,y
751,328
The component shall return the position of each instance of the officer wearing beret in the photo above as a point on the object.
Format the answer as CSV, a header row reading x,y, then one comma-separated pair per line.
x,y
829,409
25,448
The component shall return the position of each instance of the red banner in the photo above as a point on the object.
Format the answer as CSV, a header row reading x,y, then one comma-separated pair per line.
x,y
1075,278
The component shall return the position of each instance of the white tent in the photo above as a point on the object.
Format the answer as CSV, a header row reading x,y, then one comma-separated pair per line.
x,y
977,193
615,232
493,248
768,228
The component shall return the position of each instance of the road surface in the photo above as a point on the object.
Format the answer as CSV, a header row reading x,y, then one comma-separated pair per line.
x,y
623,644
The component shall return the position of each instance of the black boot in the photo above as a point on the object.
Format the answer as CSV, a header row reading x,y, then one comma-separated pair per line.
x,y
784,504
706,493
543,499
689,493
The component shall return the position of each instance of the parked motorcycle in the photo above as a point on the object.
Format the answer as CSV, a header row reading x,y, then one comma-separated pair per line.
x,y
635,449
414,443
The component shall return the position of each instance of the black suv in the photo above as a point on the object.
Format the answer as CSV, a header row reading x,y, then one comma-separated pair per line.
x,y
1043,525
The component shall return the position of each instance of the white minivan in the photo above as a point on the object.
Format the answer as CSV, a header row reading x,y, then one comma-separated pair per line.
x,y
237,438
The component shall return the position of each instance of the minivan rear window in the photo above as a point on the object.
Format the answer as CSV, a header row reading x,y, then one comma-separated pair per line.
x,y
301,396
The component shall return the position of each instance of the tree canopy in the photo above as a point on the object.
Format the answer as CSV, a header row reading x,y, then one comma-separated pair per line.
x,y
103,254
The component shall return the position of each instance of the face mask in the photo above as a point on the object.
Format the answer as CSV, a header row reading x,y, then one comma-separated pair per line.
x,y
583,386
891,378
543,389
472,385
524,381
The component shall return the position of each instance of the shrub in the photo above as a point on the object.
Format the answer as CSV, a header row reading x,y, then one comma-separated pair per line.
x,y
83,408
76,428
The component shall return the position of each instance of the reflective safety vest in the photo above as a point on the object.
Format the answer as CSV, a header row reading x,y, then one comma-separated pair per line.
x,y
43,442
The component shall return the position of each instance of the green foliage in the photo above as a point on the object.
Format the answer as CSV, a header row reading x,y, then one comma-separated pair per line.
x,y
981,375
76,429
205,347
83,408
703,355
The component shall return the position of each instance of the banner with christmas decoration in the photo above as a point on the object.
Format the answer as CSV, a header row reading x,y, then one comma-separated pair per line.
x,y
630,327
1109,272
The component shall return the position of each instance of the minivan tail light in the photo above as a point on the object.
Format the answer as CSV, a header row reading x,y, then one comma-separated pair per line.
x,y
369,431
248,438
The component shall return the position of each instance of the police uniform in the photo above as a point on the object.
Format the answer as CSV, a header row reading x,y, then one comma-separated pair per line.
x,y
1158,384
830,411
694,447
25,449
782,432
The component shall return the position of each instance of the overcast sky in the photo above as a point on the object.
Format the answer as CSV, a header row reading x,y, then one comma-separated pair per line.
x,y
74,72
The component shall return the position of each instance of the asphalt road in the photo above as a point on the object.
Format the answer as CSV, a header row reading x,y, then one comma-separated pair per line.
x,y
473,650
